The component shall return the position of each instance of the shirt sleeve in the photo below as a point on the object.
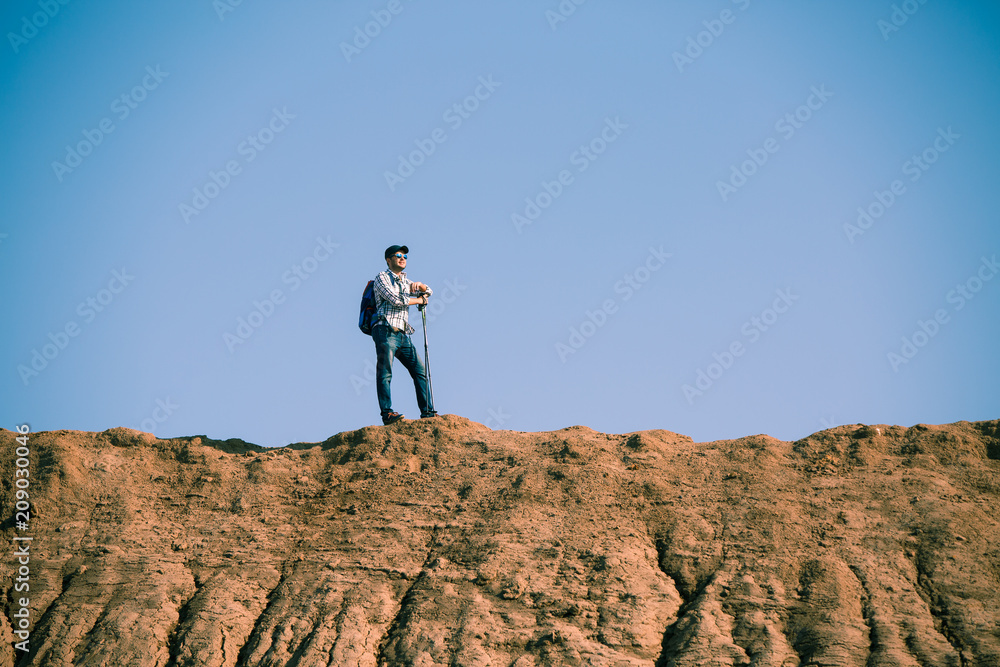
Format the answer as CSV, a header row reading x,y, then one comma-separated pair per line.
x,y
388,292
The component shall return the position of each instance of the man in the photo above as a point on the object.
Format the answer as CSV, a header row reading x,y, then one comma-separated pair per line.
x,y
391,331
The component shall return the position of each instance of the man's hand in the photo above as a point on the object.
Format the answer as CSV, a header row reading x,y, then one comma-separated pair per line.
x,y
419,287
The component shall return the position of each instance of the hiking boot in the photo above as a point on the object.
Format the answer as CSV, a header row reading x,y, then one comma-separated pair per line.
x,y
391,418
428,415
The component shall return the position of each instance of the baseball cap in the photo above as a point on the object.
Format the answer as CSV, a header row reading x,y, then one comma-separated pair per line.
x,y
393,249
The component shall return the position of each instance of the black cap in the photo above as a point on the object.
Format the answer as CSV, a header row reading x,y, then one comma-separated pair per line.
x,y
393,249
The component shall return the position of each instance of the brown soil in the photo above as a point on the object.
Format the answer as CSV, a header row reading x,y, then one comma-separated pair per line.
x,y
441,542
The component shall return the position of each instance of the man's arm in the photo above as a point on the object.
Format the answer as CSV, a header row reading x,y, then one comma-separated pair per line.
x,y
419,288
386,291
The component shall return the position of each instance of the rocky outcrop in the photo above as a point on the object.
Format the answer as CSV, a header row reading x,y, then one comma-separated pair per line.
x,y
441,542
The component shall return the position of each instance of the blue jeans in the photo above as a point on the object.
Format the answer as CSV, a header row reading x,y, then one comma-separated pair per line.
x,y
389,344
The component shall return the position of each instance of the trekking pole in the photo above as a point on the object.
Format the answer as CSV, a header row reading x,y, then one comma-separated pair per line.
x,y
427,360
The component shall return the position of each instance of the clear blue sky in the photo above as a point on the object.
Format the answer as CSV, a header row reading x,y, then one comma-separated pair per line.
x,y
634,215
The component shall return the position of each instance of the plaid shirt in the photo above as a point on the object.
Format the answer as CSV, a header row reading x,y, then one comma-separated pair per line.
x,y
392,301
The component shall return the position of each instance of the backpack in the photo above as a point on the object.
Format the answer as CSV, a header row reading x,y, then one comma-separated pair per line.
x,y
367,308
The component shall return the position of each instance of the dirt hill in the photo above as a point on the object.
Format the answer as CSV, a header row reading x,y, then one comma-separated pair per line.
x,y
441,542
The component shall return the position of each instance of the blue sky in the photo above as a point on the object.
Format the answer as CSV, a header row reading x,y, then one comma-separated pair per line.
x,y
718,218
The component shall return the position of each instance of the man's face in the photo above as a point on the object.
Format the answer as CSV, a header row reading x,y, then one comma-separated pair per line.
x,y
396,262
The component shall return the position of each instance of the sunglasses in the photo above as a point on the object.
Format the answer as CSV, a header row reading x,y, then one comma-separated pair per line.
x,y
401,255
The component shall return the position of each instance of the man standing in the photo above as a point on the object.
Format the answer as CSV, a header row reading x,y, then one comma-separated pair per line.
x,y
391,331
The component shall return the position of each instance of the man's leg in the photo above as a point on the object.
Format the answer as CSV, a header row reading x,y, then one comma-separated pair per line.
x,y
385,344
407,355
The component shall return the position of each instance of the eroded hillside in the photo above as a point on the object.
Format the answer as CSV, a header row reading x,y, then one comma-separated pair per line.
x,y
441,542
